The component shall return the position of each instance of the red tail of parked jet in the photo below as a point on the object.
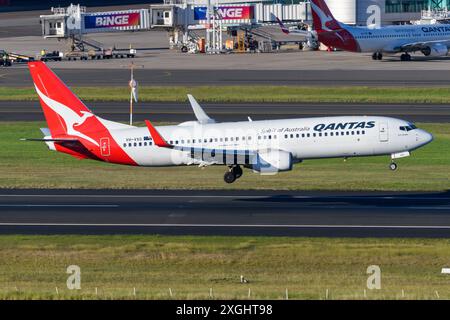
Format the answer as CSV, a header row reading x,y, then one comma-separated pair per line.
x,y
73,128
331,32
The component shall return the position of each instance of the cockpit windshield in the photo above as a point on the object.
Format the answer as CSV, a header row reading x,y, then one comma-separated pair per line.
x,y
408,127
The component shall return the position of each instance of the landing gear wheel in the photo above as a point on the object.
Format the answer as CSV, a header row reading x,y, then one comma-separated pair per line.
x,y
377,56
237,172
229,177
393,166
405,57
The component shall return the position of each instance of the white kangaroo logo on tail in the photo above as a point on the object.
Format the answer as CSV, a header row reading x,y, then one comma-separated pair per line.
x,y
70,117
324,18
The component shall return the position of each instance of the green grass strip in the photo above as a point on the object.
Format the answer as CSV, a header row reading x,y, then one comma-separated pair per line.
x,y
236,94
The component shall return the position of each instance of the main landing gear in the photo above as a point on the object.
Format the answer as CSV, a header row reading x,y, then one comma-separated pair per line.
x,y
405,57
377,56
233,173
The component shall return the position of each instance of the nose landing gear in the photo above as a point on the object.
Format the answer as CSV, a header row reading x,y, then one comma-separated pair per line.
x,y
234,173
393,166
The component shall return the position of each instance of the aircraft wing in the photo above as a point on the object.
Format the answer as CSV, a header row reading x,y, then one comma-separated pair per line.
x,y
420,45
207,156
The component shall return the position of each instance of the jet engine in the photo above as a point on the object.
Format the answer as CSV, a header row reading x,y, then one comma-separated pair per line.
x,y
273,161
435,50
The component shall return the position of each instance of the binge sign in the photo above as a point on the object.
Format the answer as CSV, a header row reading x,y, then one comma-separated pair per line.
x,y
111,20
227,13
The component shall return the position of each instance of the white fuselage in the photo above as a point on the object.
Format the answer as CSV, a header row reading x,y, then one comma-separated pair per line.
x,y
391,39
309,138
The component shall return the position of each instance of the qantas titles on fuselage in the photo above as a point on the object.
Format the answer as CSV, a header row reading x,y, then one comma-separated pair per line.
x,y
266,147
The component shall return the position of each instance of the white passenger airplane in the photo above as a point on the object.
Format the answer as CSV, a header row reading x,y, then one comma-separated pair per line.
x,y
432,40
266,146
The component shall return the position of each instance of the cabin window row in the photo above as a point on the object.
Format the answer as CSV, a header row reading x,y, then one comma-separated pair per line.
x,y
325,134
210,140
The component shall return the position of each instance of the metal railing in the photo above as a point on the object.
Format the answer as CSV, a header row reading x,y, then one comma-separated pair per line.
x,y
435,14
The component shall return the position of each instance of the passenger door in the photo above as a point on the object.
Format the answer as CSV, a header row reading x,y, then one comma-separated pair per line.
x,y
105,148
384,132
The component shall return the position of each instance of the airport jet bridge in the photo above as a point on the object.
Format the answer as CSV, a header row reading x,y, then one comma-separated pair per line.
x,y
181,18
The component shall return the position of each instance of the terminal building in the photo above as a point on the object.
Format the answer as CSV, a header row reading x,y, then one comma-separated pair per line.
x,y
356,12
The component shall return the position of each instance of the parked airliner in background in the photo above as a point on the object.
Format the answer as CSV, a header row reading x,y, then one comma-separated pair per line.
x,y
266,147
432,40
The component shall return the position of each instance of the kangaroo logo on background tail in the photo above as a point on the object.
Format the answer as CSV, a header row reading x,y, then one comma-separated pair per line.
x,y
323,18
282,26
70,117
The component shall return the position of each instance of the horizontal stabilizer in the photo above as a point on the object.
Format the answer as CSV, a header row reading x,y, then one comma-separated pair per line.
x,y
46,132
49,140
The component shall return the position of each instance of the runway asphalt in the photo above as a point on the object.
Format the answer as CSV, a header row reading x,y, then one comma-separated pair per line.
x,y
250,213
179,112
19,76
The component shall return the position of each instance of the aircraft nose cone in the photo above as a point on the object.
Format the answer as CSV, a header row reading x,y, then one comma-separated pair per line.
x,y
426,137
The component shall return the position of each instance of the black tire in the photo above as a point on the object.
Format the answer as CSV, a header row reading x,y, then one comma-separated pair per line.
x,y
229,177
184,49
237,172
405,57
393,166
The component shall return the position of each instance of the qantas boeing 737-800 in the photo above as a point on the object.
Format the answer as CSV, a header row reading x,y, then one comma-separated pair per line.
x,y
266,146
432,40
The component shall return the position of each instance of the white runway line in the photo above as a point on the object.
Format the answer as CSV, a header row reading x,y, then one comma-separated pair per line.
x,y
25,224
281,196
59,205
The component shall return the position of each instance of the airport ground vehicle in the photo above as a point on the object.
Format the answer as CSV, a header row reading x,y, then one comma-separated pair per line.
x,y
8,58
51,56
267,147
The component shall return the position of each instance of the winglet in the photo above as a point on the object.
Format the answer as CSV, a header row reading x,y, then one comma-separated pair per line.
x,y
201,115
159,141
282,26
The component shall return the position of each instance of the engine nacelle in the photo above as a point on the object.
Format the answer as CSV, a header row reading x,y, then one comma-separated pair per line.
x,y
273,161
435,50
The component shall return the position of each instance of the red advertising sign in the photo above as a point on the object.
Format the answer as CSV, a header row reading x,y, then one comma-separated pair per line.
x,y
226,12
